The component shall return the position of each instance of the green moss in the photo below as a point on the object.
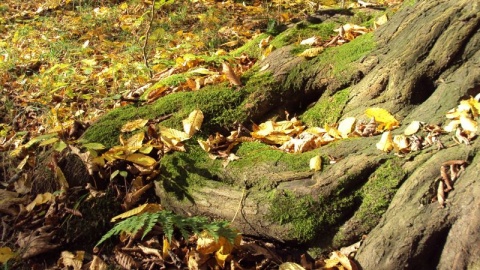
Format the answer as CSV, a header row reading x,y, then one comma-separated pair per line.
x,y
327,110
378,192
184,172
251,48
310,218
219,104
303,31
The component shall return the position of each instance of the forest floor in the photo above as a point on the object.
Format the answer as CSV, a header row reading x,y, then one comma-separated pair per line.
x,y
64,64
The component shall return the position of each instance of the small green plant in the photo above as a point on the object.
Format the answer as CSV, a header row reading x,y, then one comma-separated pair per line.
x,y
169,221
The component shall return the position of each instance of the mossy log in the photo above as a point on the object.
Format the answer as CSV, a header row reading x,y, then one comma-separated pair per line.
x,y
418,66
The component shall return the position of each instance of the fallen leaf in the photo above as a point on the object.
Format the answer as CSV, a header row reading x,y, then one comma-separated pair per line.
x,y
413,128
468,124
311,52
290,266
386,142
40,199
193,123
316,163
383,117
68,259
6,254
310,41
230,74
148,207
346,126
133,125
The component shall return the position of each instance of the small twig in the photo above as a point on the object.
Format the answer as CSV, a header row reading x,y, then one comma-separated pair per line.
x,y
239,205
147,35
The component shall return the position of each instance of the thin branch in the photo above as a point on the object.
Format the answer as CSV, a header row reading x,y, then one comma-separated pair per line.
x,y
147,35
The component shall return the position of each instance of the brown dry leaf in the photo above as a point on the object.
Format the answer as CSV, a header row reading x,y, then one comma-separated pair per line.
x,y
36,242
193,123
125,260
316,163
150,251
311,52
68,259
97,264
386,142
133,125
441,194
230,74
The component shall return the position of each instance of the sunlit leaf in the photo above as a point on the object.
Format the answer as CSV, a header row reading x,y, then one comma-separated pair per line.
x,y
400,142
386,142
468,124
413,128
193,123
346,126
202,71
141,159
174,135
452,126
134,125
165,248
310,41
290,266
136,140
311,52
204,145
316,163
383,117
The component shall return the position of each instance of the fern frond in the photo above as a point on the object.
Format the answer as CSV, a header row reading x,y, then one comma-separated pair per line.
x,y
169,221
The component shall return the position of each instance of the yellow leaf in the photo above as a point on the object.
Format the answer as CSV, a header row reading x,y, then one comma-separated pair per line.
x,y
165,248
173,134
311,52
206,243
193,123
316,163
148,207
338,258
141,159
40,199
6,254
204,145
381,20
202,71
134,125
346,126
136,141
290,266
98,264
386,142
267,51
382,116
412,128
230,74
333,132
221,257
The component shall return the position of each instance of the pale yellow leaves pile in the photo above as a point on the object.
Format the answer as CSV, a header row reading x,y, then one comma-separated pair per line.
x,y
462,119
207,244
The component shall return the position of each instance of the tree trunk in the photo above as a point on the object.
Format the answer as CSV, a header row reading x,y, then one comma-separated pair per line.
x,y
426,59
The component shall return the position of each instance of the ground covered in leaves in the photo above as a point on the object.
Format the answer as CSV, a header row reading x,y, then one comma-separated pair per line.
x,y
63,64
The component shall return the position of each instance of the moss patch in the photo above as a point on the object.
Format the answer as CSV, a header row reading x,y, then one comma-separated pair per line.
x,y
220,105
327,110
310,218
303,31
376,195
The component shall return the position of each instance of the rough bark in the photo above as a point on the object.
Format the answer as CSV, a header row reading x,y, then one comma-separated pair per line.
x,y
427,59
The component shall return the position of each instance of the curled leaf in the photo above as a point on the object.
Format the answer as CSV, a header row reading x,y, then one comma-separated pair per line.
x,y
413,128
193,123
346,126
386,142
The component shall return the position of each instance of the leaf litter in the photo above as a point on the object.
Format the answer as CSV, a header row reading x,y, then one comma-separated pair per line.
x,y
55,97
